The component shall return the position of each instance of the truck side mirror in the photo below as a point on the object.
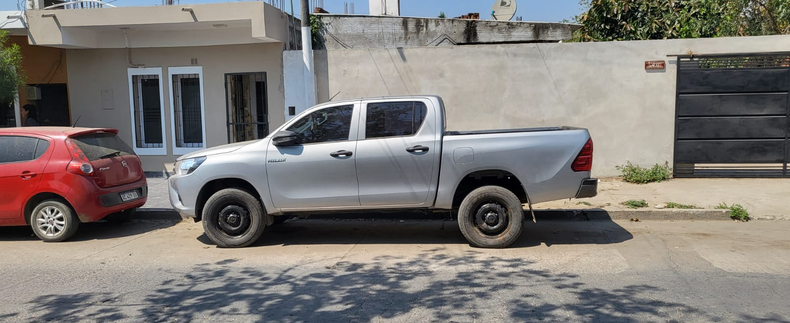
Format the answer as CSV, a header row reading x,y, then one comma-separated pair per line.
x,y
286,138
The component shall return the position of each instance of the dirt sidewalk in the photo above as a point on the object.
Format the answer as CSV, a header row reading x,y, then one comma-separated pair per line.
x,y
763,198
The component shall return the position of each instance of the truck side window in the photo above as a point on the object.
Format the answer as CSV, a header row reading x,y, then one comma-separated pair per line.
x,y
392,119
330,124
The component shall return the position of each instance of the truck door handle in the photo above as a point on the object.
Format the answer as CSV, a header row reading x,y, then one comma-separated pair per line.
x,y
27,175
417,148
339,153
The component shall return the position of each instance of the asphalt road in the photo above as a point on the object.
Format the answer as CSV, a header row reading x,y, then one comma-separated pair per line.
x,y
411,271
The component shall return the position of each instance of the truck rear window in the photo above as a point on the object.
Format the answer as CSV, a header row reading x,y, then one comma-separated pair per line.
x,y
102,145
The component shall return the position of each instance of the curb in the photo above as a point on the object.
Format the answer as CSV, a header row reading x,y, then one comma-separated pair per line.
x,y
544,215
642,215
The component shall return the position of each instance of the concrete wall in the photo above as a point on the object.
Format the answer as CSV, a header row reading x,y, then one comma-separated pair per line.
x,y
94,70
352,31
600,86
294,72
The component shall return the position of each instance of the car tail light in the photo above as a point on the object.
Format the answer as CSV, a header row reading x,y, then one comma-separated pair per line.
x,y
79,164
583,162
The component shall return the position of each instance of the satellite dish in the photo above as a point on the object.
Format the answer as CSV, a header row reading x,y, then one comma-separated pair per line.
x,y
503,10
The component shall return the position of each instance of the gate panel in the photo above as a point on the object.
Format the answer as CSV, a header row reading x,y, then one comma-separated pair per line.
x,y
731,151
732,105
732,116
732,128
733,81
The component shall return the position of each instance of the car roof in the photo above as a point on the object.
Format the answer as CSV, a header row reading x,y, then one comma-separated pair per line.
x,y
53,131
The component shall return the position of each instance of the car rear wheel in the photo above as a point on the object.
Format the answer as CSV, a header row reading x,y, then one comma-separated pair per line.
x,y
121,217
491,217
53,221
233,218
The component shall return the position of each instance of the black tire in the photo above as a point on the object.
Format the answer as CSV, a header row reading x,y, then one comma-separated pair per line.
x,y
120,217
53,221
491,217
233,218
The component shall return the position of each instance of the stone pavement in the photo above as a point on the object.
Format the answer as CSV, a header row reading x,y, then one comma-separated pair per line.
x,y
763,198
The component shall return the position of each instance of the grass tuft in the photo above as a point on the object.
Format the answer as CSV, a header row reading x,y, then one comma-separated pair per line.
x,y
641,175
673,205
635,204
737,212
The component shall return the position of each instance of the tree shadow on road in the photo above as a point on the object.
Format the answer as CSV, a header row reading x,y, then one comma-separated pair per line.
x,y
431,286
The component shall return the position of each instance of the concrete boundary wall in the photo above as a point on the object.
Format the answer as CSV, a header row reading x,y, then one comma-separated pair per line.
x,y
600,86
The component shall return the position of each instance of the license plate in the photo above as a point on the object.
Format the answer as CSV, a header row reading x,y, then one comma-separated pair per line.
x,y
130,195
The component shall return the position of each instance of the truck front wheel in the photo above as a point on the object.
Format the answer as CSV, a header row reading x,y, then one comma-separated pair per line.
x,y
233,218
491,217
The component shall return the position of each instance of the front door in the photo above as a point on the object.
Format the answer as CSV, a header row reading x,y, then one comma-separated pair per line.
x,y
396,159
320,172
248,113
22,162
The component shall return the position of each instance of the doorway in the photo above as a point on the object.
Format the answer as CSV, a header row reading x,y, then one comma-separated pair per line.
x,y
7,114
52,103
247,104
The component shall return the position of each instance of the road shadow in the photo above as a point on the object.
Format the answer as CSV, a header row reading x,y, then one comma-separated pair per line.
x,y
92,231
430,286
416,228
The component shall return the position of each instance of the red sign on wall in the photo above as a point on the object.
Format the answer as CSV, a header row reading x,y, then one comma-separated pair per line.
x,y
655,65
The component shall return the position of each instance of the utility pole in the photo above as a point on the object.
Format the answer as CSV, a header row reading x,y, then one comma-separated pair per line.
x,y
307,55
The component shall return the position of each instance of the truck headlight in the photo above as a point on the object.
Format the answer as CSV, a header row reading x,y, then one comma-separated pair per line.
x,y
187,166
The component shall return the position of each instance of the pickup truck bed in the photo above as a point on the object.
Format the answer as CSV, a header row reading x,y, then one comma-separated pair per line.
x,y
485,132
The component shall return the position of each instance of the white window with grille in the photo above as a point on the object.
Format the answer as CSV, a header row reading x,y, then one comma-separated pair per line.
x,y
146,101
186,108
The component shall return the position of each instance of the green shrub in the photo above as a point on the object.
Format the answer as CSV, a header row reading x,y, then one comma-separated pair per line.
x,y
673,205
640,175
635,204
584,203
737,212
722,206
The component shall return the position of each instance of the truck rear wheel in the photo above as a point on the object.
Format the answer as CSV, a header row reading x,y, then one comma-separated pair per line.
x,y
233,218
491,217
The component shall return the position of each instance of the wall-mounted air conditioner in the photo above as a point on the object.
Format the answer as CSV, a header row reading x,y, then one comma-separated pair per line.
x,y
33,93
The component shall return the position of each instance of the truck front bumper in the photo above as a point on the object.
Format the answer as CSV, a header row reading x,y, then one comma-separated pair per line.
x,y
589,188
173,184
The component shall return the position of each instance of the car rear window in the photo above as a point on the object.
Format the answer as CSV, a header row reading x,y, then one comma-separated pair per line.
x,y
102,145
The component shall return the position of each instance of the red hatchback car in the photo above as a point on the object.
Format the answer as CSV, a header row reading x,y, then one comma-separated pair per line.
x,y
54,178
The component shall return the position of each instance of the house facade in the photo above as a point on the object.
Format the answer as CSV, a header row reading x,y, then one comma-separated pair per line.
x,y
172,79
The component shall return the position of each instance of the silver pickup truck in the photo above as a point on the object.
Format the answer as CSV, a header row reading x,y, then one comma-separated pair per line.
x,y
378,154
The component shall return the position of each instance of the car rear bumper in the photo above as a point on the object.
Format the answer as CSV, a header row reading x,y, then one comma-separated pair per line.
x,y
589,188
93,203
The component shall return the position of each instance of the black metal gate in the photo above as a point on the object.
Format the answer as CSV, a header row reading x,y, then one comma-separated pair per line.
x,y
732,116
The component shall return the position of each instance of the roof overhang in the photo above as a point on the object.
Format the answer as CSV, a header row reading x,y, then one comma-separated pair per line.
x,y
158,26
13,22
